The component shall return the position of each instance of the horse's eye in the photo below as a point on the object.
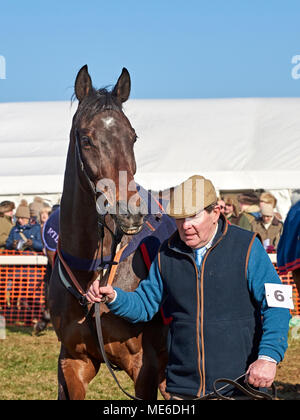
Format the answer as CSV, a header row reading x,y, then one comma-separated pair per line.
x,y
85,141
135,138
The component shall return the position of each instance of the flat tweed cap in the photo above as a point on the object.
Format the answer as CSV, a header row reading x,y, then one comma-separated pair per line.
x,y
191,197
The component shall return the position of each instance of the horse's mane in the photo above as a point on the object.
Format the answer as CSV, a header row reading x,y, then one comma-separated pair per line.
x,y
96,101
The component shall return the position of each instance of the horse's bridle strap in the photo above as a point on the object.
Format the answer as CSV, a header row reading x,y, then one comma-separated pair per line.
x,y
114,267
68,270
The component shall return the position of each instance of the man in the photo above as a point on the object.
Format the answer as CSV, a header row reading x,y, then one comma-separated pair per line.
x,y
24,236
212,277
249,206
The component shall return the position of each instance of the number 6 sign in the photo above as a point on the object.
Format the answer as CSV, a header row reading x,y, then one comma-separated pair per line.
x,y
279,295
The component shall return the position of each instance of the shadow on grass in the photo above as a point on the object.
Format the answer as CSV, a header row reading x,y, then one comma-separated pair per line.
x,y
286,391
19,329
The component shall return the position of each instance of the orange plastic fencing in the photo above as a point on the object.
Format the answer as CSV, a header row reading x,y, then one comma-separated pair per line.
x,y
21,291
288,279
22,298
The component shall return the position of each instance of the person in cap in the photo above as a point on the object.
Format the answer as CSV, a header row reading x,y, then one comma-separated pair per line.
x,y
6,221
211,275
24,236
268,198
249,205
35,207
268,227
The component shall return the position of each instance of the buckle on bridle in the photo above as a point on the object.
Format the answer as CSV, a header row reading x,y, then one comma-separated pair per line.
x,y
83,300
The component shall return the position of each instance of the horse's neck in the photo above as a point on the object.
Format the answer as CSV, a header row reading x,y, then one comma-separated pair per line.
x,y
78,219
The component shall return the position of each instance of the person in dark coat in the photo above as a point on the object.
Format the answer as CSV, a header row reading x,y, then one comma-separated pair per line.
x,y
288,251
212,275
24,236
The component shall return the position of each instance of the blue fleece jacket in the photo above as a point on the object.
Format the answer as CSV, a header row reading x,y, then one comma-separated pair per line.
x,y
32,232
142,304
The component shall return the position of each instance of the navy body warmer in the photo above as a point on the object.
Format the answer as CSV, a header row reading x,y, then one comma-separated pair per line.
x,y
216,327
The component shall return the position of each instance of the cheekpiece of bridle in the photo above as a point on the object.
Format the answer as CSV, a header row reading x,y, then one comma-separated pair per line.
x,y
101,222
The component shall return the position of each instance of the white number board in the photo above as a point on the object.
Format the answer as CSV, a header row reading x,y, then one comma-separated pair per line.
x,y
279,295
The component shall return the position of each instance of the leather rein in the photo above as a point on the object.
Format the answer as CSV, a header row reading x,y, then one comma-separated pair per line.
x,y
76,290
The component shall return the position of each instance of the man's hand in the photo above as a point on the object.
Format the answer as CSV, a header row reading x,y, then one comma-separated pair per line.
x,y
261,373
14,244
97,293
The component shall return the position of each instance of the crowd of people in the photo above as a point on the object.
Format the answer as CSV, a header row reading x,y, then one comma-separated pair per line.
x,y
256,214
21,227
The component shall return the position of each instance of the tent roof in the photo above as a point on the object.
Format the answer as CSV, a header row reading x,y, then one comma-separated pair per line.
x,y
247,143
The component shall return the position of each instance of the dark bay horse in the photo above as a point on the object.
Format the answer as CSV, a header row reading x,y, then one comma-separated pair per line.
x,y
101,147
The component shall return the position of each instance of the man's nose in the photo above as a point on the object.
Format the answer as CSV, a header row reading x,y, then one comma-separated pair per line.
x,y
187,224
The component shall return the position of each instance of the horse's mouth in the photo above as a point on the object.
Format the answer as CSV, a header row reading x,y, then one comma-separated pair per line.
x,y
133,230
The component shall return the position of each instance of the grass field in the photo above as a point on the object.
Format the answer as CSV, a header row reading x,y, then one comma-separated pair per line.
x,y
28,370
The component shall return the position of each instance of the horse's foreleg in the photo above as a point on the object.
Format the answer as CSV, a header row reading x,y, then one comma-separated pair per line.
x,y
74,375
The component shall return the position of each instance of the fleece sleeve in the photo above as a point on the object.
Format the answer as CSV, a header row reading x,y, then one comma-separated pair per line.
x,y
142,304
275,321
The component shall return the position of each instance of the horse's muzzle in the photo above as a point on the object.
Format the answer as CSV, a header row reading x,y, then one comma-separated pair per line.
x,y
130,219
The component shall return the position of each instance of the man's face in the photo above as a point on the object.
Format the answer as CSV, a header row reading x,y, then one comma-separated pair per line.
x,y
197,231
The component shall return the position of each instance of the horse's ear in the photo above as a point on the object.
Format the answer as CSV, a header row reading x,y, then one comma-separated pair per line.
x,y
83,83
123,85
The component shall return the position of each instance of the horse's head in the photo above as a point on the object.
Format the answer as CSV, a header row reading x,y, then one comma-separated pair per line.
x,y
104,141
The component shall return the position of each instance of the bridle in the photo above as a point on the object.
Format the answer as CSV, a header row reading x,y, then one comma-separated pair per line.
x,y
101,222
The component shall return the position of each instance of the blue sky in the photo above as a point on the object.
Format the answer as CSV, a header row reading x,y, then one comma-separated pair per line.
x,y
172,48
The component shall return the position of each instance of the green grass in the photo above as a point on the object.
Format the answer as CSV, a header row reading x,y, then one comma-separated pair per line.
x,y
28,370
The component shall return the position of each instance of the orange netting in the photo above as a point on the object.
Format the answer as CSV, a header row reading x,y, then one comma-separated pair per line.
x,y
288,279
21,291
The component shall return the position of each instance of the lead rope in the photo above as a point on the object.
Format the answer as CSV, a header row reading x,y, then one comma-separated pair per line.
x,y
101,344
247,390
109,365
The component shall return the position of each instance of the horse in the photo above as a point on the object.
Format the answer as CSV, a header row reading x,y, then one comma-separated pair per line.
x,y
101,147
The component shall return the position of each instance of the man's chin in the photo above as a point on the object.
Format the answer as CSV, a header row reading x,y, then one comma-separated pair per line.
x,y
192,243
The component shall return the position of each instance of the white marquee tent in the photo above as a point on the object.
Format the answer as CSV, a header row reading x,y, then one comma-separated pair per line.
x,y
249,143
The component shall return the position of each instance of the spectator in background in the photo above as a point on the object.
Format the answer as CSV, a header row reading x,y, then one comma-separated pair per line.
x,y
288,251
44,214
6,221
268,227
268,198
221,203
233,216
249,205
24,236
35,207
